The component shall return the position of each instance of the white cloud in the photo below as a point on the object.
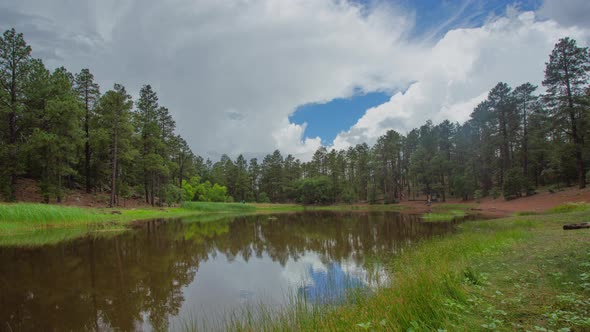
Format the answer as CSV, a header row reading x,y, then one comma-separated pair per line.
x,y
230,71
459,71
567,12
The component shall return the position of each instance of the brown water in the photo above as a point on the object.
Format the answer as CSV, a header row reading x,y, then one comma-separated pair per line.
x,y
165,273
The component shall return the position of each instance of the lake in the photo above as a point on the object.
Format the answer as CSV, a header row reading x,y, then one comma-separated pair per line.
x,y
165,273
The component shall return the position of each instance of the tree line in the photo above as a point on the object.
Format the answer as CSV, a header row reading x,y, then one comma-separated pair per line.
x,y
59,129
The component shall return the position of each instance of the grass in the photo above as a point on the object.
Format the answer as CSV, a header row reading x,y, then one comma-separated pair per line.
x,y
570,207
42,237
218,207
447,212
517,273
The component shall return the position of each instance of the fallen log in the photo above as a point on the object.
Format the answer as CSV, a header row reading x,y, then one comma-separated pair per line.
x,y
577,226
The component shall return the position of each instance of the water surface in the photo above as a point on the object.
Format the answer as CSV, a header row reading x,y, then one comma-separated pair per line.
x,y
167,272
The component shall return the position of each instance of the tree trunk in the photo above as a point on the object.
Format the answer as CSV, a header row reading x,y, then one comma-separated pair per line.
x,y
180,172
114,164
12,134
442,180
87,143
505,149
152,190
525,143
578,141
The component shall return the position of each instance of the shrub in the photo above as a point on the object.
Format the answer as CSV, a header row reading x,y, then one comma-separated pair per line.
x,y
513,184
348,196
314,190
495,192
263,198
172,195
478,194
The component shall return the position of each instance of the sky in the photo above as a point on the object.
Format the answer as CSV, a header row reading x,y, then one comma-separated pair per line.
x,y
252,76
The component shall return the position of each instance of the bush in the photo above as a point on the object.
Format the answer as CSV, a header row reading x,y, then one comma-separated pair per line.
x,y
263,198
172,195
348,196
495,192
464,187
314,190
478,194
514,182
528,187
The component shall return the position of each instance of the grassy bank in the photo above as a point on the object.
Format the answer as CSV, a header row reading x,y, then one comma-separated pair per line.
x,y
37,224
518,273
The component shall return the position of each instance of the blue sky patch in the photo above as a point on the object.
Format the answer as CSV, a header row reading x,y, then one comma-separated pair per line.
x,y
433,19
329,119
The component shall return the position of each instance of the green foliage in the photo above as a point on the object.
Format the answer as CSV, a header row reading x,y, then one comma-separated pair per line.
x,y
217,193
194,190
188,191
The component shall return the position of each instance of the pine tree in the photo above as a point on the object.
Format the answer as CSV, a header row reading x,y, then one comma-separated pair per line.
x,y
15,59
525,102
114,114
88,94
566,75
146,124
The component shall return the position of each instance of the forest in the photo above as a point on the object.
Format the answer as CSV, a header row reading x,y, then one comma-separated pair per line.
x,y
59,129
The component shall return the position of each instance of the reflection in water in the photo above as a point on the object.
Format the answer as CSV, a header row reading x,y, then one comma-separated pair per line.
x,y
165,272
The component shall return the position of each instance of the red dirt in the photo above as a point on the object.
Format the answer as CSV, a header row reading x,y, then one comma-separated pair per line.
x,y
540,202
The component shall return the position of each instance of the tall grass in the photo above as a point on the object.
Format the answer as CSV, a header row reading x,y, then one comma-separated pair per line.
x,y
46,213
26,222
40,237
